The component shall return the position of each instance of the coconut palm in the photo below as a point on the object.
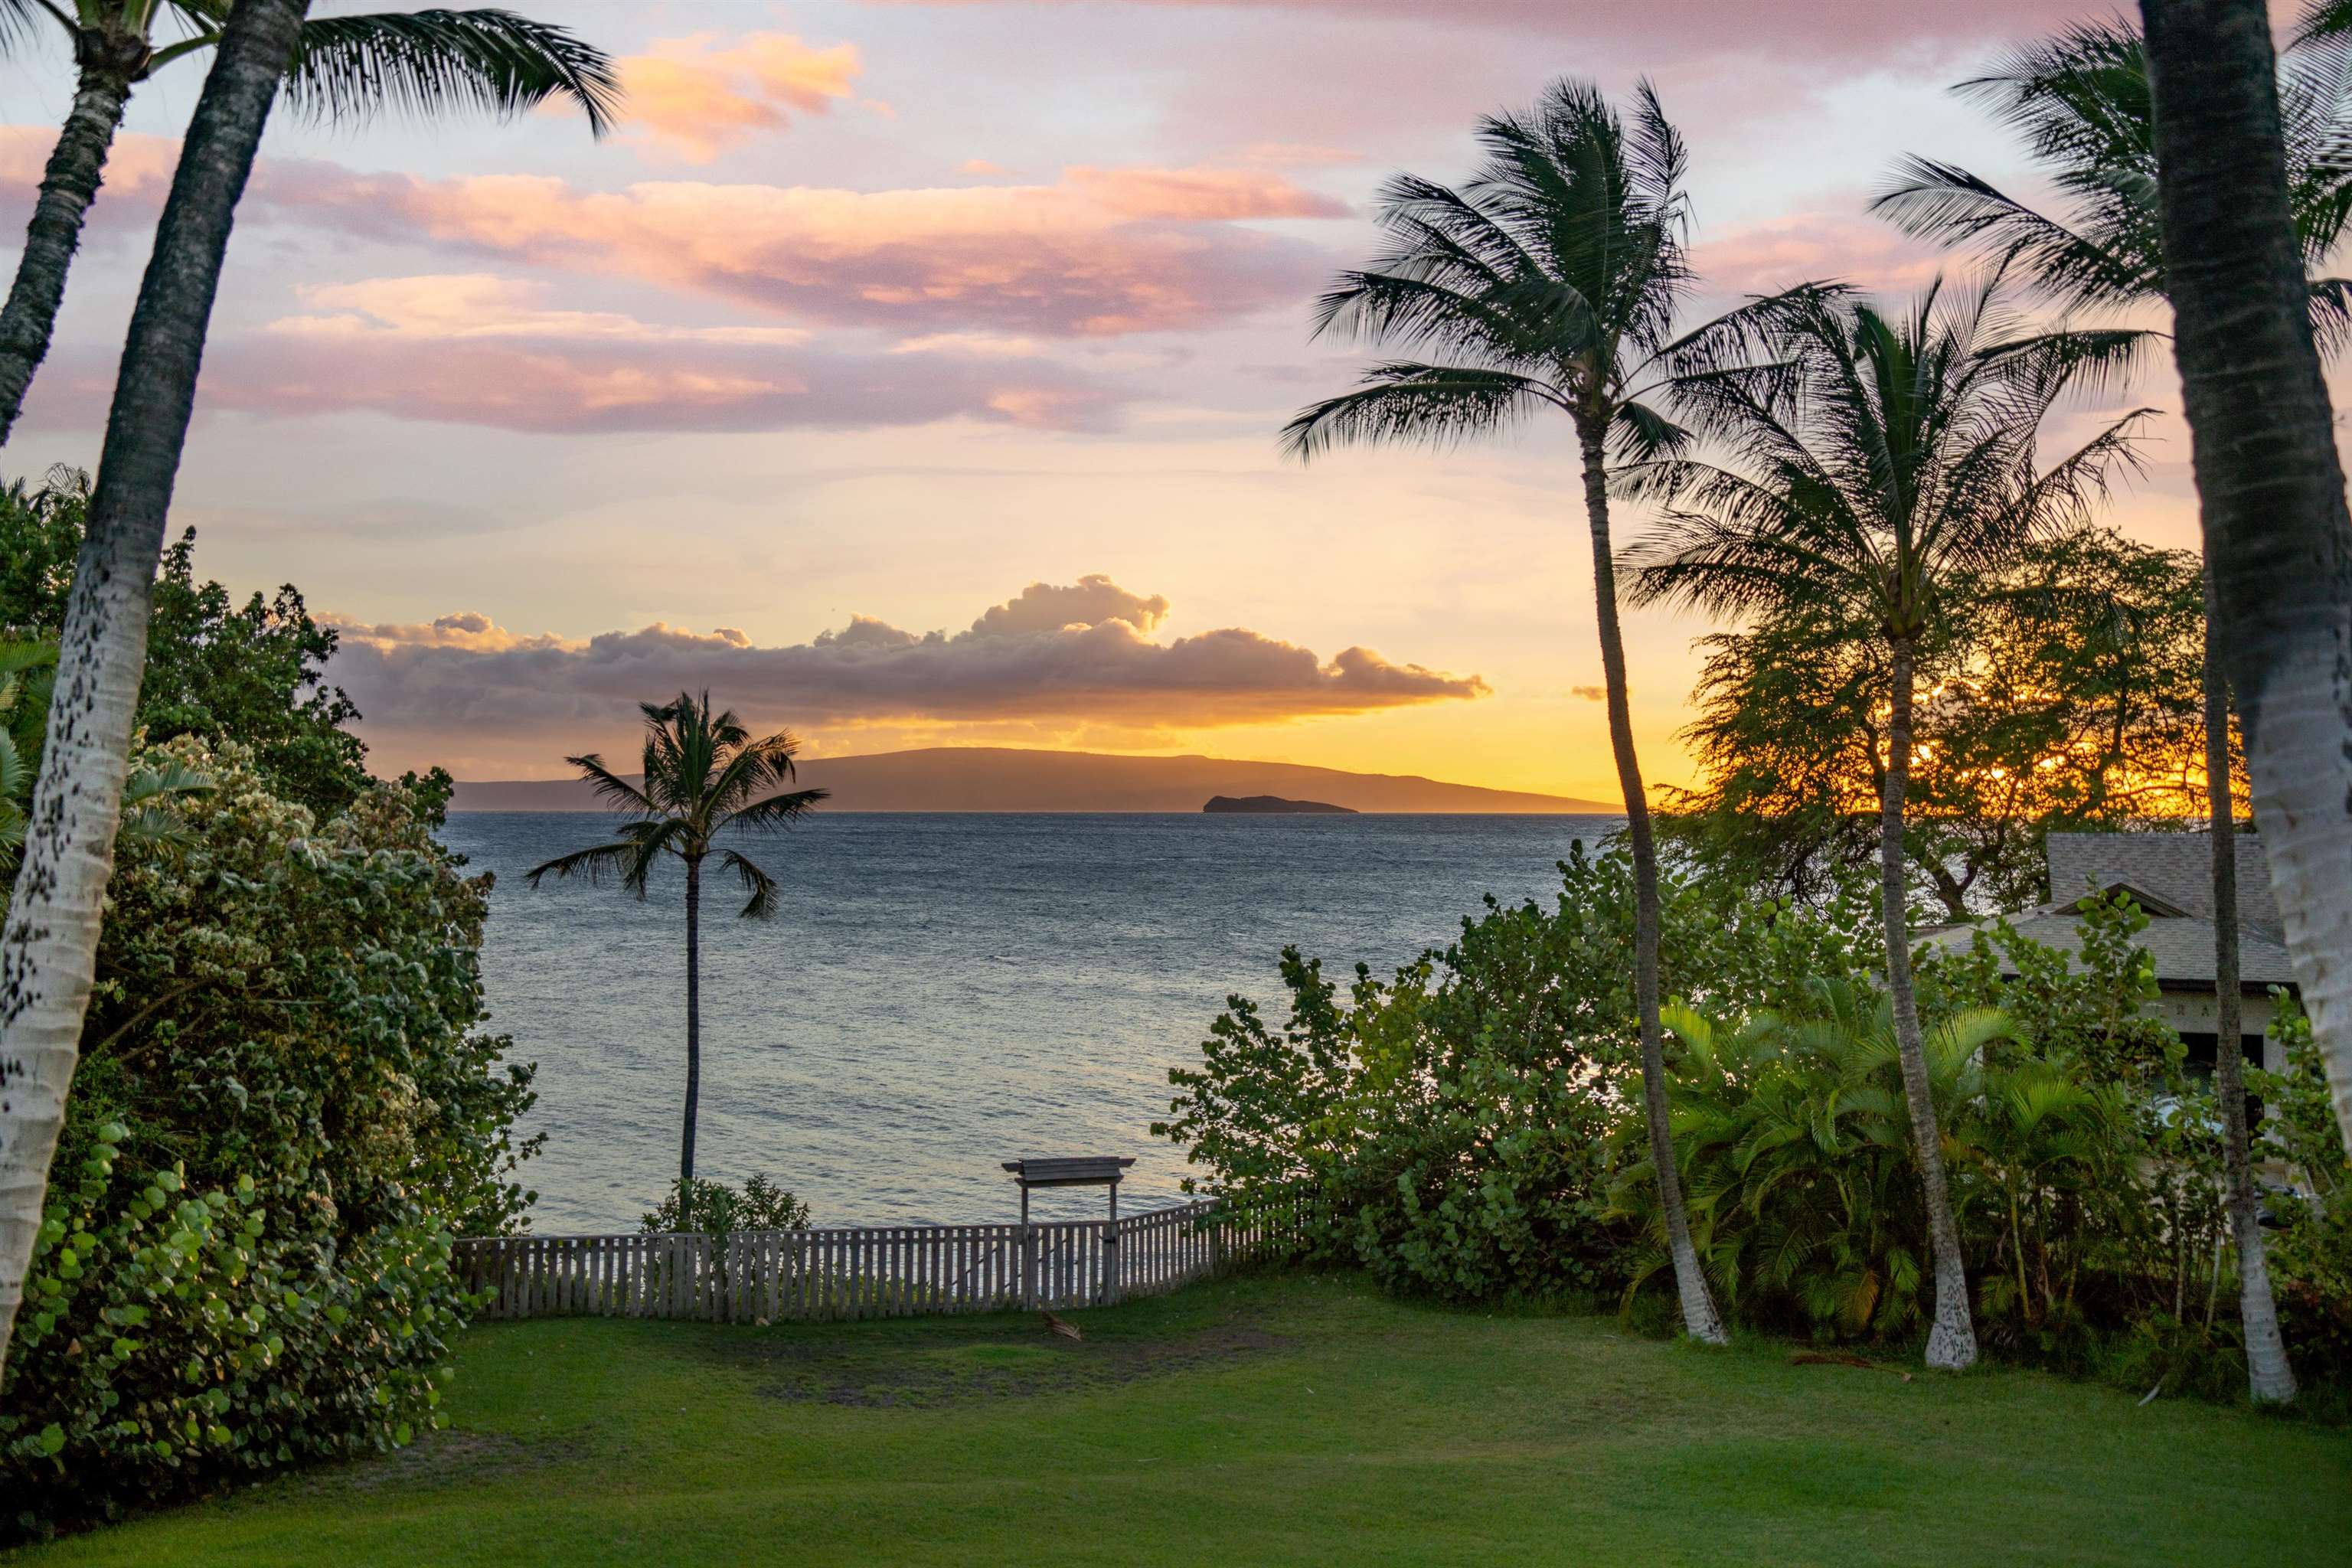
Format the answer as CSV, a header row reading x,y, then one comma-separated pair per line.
x,y
48,946
2082,103
1546,284
704,775
424,62
1871,461
2278,537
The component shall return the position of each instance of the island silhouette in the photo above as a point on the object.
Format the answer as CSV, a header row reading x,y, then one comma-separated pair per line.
x,y
1004,778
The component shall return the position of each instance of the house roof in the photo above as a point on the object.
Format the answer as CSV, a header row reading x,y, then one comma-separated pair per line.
x,y
2171,877
2181,948
2175,869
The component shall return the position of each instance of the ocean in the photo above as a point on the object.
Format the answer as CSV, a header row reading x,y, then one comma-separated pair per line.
x,y
940,992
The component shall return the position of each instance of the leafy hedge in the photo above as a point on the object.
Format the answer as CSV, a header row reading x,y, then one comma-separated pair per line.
x,y
1453,1125
283,1115
1471,1128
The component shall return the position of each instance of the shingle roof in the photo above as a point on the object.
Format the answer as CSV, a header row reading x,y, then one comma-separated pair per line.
x,y
2177,867
2182,949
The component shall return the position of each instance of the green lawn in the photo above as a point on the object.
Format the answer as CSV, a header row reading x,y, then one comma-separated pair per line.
x,y
1266,1421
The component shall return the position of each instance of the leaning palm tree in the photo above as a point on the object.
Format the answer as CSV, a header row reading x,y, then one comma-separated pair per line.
x,y
2082,103
2278,535
341,68
48,946
704,775
1871,461
1549,283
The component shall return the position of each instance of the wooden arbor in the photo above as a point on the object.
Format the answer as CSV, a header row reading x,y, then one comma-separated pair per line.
x,y
1084,1171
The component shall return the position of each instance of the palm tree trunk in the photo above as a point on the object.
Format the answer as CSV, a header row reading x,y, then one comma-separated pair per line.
x,y
1952,1338
2270,1377
693,1017
49,944
2278,538
68,185
1700,1319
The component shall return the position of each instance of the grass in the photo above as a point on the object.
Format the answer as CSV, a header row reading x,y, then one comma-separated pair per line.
x,y
1270,1420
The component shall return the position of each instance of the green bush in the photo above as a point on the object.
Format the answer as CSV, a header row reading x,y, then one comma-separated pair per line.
x,y
1472,1128
1451,1129
714,1208
282,1117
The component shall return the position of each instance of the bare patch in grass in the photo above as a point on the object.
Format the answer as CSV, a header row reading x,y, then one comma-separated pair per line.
x,y
950,1361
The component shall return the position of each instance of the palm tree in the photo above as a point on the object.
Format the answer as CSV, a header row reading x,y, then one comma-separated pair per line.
x,y
2278,536
49,947
1549,282
2083,103
342,67
703,774
1870,462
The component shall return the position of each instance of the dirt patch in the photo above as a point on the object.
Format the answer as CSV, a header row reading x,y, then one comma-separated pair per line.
x,y
446,1456
990,1360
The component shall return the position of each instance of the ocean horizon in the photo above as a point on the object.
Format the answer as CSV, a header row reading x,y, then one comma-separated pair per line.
x,y
941,991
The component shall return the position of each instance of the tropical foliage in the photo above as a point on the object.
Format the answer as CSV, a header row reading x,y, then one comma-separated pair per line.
x,y
1465,1129
1452,1125
253,672
283,1113
2058,691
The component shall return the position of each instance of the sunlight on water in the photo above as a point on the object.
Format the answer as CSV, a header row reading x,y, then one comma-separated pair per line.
x,y
941,992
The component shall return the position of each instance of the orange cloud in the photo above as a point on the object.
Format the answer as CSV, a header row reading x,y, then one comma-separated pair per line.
x,y
696,96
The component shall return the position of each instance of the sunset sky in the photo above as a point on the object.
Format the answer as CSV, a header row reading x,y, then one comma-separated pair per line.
x,y
909,373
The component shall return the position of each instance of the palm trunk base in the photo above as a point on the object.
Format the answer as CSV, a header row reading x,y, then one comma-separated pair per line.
x,y
1700,1321
1952,1339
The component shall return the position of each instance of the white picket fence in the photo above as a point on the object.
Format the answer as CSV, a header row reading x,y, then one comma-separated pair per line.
x,y
865,1271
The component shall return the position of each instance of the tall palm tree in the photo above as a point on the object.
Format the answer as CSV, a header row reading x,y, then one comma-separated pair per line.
x,y
1870,461
2278,535
2082,102
342,67
704,775
1549,283
48,946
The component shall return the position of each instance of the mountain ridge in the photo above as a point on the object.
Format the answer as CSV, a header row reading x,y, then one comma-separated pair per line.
x,y
1010,778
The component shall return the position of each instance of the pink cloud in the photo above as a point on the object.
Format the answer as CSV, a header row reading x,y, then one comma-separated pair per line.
x,y
1103,251
1763,258
1841,28
477,350
696,96
1199,193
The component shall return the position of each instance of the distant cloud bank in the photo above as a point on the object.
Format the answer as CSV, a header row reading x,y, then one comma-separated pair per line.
x,y
1081,651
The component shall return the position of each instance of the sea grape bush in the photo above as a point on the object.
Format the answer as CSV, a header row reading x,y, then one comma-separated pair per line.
x,y
284,1114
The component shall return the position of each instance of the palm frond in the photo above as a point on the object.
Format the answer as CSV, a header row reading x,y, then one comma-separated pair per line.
x,y
777,810
1431,404
425,63
611,788
761,887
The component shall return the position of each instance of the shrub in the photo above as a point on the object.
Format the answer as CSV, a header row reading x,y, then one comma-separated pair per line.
x,y
1451,1129
282,1116
714,1208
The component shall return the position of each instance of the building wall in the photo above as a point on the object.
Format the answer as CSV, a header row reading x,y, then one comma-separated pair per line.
x,y
2193,1012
